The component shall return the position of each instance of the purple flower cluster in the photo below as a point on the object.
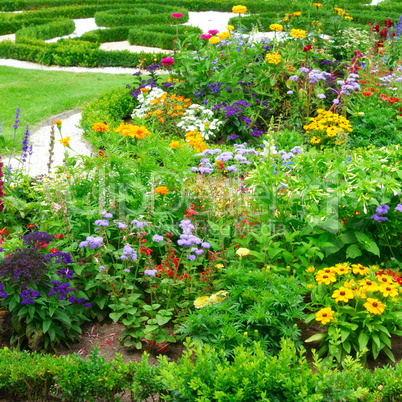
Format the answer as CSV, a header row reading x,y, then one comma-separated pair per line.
x,y
398,208
66,273
26,147
61,289
107,215
24,265
156,238
204,167
60,257
92,242
350,85
28,296
187,239
120,225
150,272
380,211
129,253
101,222
37,239
2,292
139,224
318,75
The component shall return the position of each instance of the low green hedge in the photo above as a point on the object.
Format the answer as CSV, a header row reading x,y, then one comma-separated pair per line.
x,y
114,34
140,14
46,31
159,36
78,53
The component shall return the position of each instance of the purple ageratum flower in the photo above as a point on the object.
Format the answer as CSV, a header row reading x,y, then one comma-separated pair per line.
x,y
28,296
94,242
379,218
157,238
293,78
129,253
231,168
83,244
382,209
120,225
191,257
150,272
101,222
335,101
198,251
101,268
126,270
321,96
398,208
205,245
289,93
107,215
304,69
139,224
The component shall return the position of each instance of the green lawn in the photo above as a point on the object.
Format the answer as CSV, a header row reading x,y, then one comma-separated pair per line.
x,y
41,94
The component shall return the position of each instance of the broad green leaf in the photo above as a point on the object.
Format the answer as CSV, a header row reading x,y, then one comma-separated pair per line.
x,y
363,340
46,324
353,251
316,337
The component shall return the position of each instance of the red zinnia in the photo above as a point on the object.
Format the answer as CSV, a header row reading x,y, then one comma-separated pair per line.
x,y
367,93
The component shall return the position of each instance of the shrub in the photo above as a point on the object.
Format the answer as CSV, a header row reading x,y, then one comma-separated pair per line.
x,y
46,31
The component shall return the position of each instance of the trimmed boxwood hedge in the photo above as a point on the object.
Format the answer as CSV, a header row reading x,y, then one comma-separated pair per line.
x,y
46,31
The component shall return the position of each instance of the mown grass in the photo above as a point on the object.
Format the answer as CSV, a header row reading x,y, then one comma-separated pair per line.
x,y
41,94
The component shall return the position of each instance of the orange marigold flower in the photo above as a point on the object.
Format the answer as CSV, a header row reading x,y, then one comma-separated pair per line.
x,y
162,190
100,127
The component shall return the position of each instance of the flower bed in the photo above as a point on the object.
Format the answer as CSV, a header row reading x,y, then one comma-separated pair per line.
x,y
243,195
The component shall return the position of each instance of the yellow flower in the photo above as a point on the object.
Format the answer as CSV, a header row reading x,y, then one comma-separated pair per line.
x,y
230,28
239,9
343,294
273,58
332,131
57,123
174,144
368,285
350,284
384,280
162,190
342,269
317,5
219,296
298,33
359,269
374,306
388,290
296,14
325,315
326,278
360,292
144,90
219,266
310,269
201,302
243,252
214,40
224,35
310,286
65,141
276,27
100,127
315,140
132,131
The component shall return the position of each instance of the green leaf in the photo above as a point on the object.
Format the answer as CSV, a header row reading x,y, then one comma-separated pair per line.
x,y
115,316
390,355
363,340
348,237
52,333
344,335
353,251
316,337
376,339
162,320
368,244
347,347
46,324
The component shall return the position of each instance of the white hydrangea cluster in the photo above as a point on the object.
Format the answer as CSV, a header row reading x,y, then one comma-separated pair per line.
x,y
198,117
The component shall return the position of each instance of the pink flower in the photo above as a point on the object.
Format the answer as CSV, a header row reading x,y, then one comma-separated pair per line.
x,y
167,61
206,36
177,15
213,31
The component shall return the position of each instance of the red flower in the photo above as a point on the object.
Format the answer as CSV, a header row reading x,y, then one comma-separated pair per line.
x,y
367,93
53,250
31,225
307,48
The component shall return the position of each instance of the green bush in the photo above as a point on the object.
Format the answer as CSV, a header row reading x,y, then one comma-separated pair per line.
x,y
205,374
111,107
46,31
159,35
261,306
